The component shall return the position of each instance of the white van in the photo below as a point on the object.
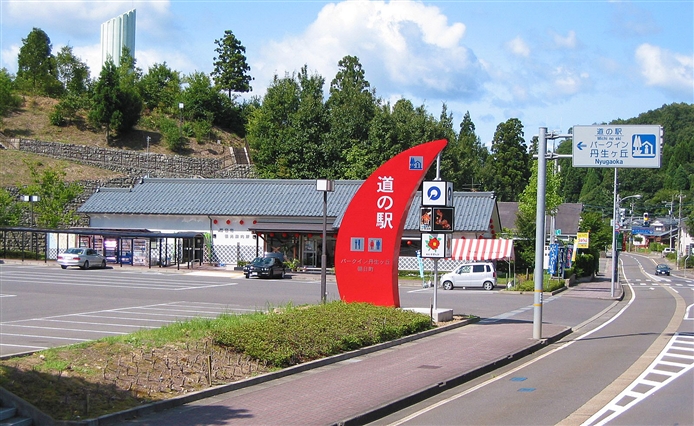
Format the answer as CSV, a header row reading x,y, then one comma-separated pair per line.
x,y
471,275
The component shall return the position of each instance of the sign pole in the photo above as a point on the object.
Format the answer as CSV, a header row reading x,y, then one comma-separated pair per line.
x,y
615,207
540,232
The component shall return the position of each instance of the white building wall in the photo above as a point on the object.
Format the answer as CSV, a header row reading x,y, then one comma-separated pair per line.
x,y
117,33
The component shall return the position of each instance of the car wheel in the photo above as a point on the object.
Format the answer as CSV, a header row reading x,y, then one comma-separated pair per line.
x,y
86,265
488,285
63,266
283,273
103,264
447,285
246,275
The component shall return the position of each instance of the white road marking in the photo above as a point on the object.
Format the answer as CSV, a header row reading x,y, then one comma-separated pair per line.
x,y
648,380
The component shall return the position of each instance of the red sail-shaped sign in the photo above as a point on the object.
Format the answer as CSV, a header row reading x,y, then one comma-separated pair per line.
x,y
368,242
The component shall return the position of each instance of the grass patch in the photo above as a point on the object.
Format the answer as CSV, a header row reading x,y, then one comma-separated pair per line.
x,y
116,373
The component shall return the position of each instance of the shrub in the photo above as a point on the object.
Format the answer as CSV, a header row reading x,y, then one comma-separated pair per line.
x,y
298,334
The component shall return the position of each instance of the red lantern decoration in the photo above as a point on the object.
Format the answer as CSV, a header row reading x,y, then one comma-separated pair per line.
x,y
296,235
284,235
215,221
310,235
409,243
254,222
228,222
241,222
272,234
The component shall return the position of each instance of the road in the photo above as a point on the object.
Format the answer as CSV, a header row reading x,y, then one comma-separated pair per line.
x,y
633,365
650,332
43,306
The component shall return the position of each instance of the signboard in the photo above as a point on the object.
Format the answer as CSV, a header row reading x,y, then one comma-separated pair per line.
x,y
583,240
437,193
436,246
553,257
624,146
368,244
436,219
641,230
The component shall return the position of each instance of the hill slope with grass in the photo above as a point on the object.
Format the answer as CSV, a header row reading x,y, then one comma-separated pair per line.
x,y
31,121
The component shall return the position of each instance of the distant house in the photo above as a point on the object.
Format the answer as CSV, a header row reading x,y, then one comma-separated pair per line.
x,y
243,218
564,224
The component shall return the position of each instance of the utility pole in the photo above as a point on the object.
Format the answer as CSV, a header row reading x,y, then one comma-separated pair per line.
x,y
680,246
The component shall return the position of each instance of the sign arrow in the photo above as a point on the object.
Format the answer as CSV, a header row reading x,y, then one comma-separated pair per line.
x,y
580,145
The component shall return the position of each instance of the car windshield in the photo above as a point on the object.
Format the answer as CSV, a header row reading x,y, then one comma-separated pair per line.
x,y
661,266
74,251
257,261
267,261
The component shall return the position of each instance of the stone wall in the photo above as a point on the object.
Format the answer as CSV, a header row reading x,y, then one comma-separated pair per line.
x,y
137,164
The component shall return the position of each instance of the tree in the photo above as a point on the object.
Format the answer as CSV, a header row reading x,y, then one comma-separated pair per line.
x,y
72,72
161,88
55,196
351,107
508,170
10,209
104,111
526,220
463,159
37,72
8,99
230,67
116,104
286,132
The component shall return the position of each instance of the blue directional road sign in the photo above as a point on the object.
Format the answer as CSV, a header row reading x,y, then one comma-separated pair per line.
x,y
624,146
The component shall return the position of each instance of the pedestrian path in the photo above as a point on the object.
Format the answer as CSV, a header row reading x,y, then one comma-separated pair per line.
x,y
365,387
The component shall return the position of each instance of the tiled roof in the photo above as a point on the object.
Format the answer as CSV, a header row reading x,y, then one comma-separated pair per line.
x,y
260,197
263,197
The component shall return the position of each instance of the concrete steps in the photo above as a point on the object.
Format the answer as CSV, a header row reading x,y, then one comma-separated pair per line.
x,y
8,417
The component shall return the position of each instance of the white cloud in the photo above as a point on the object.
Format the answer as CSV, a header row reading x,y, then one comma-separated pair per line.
x,y
518,47
568,82
412,45
667,70
568,42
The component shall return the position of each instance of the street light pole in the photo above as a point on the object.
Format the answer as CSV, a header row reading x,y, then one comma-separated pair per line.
x,y
324,185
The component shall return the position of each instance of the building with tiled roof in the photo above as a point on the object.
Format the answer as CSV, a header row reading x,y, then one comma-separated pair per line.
x,y
246,217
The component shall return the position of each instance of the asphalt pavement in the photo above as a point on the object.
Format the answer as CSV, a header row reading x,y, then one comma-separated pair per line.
x,y
364,385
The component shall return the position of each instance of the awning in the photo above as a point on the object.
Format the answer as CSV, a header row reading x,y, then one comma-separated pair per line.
x,y
482,249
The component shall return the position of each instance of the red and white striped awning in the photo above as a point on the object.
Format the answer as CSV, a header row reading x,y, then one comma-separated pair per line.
x,y
482,249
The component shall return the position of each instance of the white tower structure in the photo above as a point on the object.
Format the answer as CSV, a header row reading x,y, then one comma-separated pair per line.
x,y
117,33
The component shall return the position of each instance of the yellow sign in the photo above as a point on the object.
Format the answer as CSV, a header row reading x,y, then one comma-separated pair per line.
x,y
583,239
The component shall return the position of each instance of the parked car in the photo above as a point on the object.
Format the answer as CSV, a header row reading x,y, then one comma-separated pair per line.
x,y
662,269
471,275
267,267
667,250
85,258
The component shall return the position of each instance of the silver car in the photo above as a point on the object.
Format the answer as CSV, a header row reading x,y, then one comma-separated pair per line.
x,y
85,258
476,274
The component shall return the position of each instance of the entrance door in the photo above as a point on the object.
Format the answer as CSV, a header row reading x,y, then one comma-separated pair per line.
x,y
310,258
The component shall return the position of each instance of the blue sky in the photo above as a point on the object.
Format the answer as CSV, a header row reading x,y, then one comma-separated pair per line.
x,y
548,63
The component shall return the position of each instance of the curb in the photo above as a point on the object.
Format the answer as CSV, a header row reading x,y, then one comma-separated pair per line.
x,y
429,391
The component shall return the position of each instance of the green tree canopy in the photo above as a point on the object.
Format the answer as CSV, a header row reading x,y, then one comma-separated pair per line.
x,y
73,73
55,195
507,171
231,71
37,72
161,88
8,99
10,209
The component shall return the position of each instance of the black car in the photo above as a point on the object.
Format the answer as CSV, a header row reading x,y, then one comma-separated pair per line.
x,y
265,267
662,269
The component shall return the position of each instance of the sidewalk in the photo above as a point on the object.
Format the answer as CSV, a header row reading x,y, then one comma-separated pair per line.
x,y
366,387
